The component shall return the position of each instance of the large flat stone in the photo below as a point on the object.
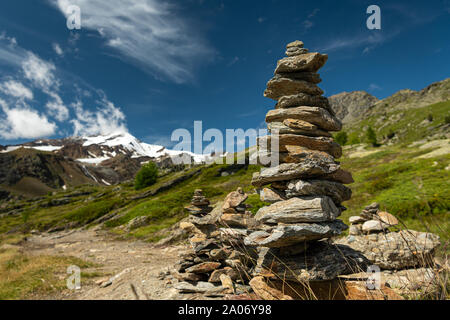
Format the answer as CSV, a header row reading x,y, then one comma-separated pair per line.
x,y
281,128
303,99
315,115
310,168
298,210
335,190
310,62
320,262
278,87
287,235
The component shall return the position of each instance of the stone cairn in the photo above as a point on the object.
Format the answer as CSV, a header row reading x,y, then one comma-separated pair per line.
x,y
371,220
307,187
218,263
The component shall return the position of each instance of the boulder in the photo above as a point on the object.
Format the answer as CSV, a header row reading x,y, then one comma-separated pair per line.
x,y
279,86
287,235
315,115
299,210
320,262
237,220
386,218
336,191
395,250
199,287
341,176
234,199
310,62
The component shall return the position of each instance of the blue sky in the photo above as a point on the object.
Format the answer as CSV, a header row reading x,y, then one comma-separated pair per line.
x,y
151,67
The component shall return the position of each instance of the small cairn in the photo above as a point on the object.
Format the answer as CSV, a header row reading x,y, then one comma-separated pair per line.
x,y
218,263
200,205
307,187
371,220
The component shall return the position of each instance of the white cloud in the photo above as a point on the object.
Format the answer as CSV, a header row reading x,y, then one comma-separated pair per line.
x,y
39,72
105,120
16,89
233,61
56,107
145,32
22,122
57,48
374,87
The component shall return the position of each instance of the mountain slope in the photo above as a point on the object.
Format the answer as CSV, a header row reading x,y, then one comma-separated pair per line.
x,y
351,106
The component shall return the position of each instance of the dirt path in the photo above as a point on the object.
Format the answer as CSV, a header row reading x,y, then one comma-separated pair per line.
x,y
129,263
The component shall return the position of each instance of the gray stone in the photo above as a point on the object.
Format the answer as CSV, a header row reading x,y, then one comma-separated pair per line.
x,y
199,287
310,168
287,235
315,115
310,62
298,210
357,220
396,250
279,86
283,129
336,191
321,261
374,226
303,99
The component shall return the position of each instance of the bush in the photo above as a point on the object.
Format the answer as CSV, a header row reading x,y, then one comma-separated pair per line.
x,y
371,137
447,119
341,138
430,117
146,177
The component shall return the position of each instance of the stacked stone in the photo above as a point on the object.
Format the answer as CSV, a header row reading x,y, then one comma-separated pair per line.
x,y
218,261
200,205
307,187
372,220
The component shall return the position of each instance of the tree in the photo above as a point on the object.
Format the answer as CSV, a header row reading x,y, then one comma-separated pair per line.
x,y
342,138
371,137
146,176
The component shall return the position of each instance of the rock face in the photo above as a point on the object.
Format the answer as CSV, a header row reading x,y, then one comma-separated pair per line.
x,y
306,186
395,250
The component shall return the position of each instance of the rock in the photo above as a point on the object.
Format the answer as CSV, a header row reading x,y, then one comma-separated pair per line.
x,y
303,99
137,222
295,44
412,279
227,282
237,220
296,52
279,86
306,76
271,196
357,290
336,191
355,230
287,235
189,277
215,275
199,287
396,250
310,62
297,154
373,206
310,168
320,262
357,220
315,115
266,292
204,267
374,226
341,176
324,144
219,254
299,210
234,199
281,128
386,218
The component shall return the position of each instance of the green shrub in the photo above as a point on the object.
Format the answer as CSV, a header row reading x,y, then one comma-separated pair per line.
x,y
146,177
371,137
447,119
341,138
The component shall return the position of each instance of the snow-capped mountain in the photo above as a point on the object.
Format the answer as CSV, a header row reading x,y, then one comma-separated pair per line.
x,y
104,159
99,148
